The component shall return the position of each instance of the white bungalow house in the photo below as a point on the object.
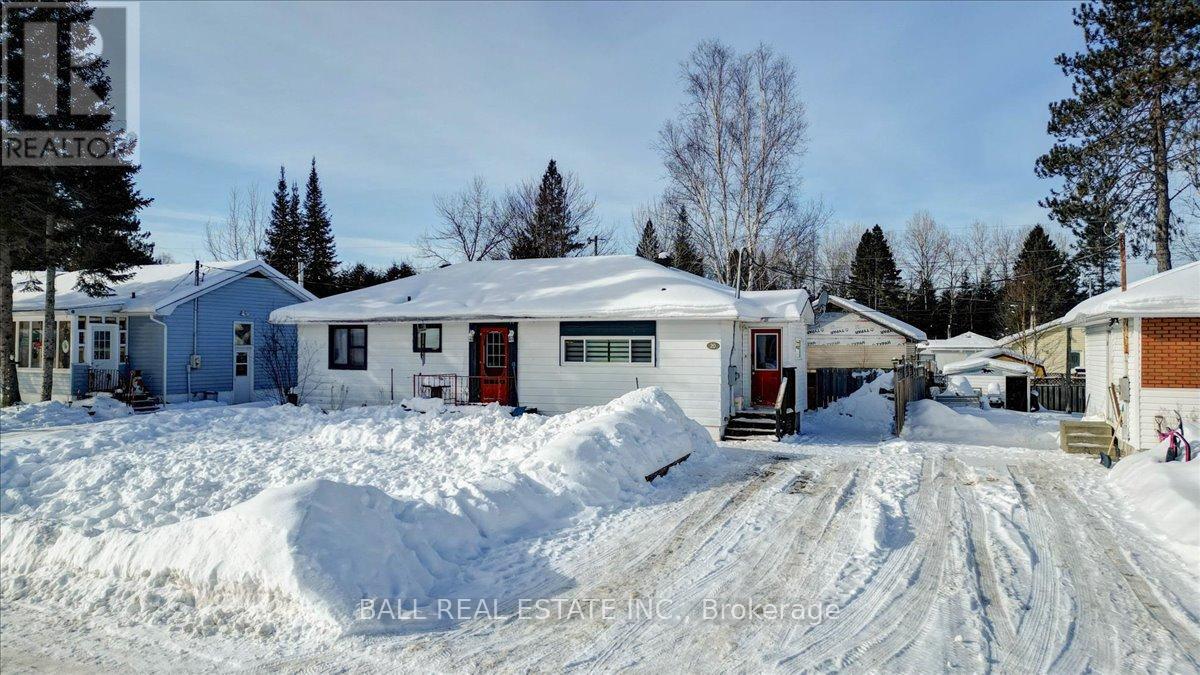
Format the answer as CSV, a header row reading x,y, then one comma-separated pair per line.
x,y
555,335
1145,341
956,348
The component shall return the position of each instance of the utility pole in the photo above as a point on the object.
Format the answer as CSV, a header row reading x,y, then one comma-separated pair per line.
x,y
1124,287
594,240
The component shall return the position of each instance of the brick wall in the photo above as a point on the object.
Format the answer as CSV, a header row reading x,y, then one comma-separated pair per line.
x,y
1171,353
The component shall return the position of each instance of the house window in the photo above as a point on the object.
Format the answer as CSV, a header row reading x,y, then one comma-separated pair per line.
x,y
427,337
347,347
604,349
241,364
22,344
35,352
63,336
243,334
101,345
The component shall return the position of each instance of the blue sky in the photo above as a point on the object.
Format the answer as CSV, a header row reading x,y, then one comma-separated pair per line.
x,y
934,106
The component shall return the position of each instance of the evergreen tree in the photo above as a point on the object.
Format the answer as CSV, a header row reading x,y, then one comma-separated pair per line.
x,y
874,277
648,246
281,243
548,227
401,271
1096,256
684,254
316,234
1043,286
1127,133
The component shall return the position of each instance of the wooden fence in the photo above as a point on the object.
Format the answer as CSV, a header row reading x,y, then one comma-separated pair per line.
x,y
1061,393
911,383
826,385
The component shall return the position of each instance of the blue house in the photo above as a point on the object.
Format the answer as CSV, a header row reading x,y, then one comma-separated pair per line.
x,y
189,331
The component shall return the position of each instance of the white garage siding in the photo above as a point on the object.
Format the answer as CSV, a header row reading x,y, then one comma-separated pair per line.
x,y
685,368
1096,373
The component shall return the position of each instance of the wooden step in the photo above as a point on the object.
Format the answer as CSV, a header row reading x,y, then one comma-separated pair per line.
x,y
1089,438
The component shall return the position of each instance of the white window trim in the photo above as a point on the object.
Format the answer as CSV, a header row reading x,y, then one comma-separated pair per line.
x,y
562,351
37,369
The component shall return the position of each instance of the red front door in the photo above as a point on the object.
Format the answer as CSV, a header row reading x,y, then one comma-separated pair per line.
x,y
765,368
493,359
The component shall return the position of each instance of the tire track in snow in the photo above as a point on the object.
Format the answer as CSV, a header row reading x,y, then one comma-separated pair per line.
x,y
889,613
999,633
1035,627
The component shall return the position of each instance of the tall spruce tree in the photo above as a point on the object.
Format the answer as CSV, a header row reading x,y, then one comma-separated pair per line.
x,y
282,244
548,227
1043,285
684,254
874,277
1096,255
316,233
1128,131
84,217
649,246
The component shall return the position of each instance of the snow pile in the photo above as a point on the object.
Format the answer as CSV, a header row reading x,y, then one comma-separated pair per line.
x,y
958,386
1165,496
301,554
930,420
865,411
56,413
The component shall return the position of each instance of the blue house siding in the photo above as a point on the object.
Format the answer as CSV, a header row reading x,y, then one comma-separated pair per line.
x,y
247,299
145,348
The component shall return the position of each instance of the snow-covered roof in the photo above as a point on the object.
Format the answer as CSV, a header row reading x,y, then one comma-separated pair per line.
x,y
149,289
577,288
996,352
880,318
1029,332
1172,293
962,341
980,364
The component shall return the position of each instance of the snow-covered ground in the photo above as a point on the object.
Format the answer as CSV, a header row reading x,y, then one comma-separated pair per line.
x,y
101,408
847,549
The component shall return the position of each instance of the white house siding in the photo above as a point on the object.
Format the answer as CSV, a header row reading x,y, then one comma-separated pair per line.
x,y
1166,402
847,340
793,352
391,364
1096,370
685,368
29,383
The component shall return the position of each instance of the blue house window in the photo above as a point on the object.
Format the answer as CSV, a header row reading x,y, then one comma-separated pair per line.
x,y
347,347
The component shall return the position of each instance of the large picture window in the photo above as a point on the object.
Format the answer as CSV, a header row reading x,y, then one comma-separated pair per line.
x,y
30,339
605,349
347,347
427,337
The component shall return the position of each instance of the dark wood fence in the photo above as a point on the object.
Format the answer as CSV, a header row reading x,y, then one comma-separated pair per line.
x,y
826,385
1061,393
911,383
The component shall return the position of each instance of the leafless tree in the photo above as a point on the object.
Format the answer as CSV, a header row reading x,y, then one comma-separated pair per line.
x,y
290,365
835,255
923,248
474,226
239,237
1006,245
732,153
793,250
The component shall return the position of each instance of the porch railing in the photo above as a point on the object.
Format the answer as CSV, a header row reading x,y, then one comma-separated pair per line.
x,y
462,389
103,379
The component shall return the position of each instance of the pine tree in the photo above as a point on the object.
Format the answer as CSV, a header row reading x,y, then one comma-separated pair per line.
x,y
316,234
874,277
648,246
684,254
1127,133
281,244
548,227
1043,286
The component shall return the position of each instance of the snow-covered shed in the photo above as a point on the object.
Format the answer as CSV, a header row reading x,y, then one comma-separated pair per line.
x,y
988,370
187,328
848,334
555,334
956,348
1146,341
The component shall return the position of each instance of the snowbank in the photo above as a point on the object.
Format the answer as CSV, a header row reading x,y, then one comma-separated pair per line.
x,y
929,420
1165,496
301,554
866,411
56,413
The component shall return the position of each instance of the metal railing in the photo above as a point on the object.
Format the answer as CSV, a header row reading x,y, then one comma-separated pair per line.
x,y
104,379
463,389
785,408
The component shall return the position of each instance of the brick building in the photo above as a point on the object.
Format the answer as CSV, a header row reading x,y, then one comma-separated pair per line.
x,y
1145,341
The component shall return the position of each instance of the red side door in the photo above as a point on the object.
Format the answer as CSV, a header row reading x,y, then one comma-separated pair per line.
x,y
493,359
766,368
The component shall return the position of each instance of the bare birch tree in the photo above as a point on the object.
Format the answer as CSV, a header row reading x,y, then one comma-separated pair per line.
x,y
474,226
923,248
732,153
240,236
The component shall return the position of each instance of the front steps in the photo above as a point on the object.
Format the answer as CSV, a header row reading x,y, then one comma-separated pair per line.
x,y
143,404
1088,438
751,426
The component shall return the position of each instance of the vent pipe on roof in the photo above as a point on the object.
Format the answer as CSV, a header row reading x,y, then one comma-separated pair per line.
x,y
196,274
